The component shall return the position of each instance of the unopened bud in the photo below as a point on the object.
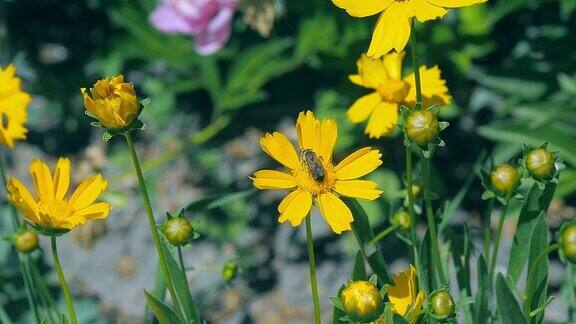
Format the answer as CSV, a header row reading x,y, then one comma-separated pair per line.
x,y
504,178
26,241
401,220
540,163
442,304
229,271
568,242
178,231
361,301
422,126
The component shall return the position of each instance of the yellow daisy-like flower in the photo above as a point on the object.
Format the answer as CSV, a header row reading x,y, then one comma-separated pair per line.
x,y
384,76
13,105
50,210
405,300
311,176
113,102
394,24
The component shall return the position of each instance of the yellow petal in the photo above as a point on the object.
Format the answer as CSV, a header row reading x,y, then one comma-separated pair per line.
x,y
403,292
356,79
383,120
270,179
393,64
362,8
455,3
392,30
372,71
414,310
306,125
62,178
95,211
42,180
363,107
295,207
280,149
335,212
423,10
87,192
434,89
19,195
327,139
358,189
357,164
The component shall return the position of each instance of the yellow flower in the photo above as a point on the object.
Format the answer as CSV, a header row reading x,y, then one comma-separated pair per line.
x,y
113,102
311,175
394,24
13,105
49,210
361,301
384,76
405,301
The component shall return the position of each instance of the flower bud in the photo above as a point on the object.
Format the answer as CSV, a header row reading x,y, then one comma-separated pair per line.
x,y
540,163
361,301
416,191
178,231
401,220
26,241
229,271
442,304
504,178
422,126
568,242
113,102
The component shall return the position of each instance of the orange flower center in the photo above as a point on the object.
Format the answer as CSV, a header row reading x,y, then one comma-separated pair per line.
x,y
394,91
56,209
308,179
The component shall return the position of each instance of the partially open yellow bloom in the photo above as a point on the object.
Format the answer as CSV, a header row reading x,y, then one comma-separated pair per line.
x,y
361,301
113,102
50,209
394,24
403,295
13,107
384,76
311,175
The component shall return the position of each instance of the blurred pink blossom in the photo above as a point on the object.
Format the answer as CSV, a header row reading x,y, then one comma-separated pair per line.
x,y
208,20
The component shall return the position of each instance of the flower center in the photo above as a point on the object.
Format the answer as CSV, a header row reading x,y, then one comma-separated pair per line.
x,y
314,175
55,210
4,120
394,91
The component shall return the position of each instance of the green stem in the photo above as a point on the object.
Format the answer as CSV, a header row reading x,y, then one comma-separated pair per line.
x,y
43,291
431,223
383,234
498,238
4,318
414,237
487,229
62,279
152,222
312,263
181,259
416,67
570,277
531,269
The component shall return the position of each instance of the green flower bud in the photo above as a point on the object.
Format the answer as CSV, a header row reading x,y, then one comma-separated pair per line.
x,y
26,241
568,242
442,304
401,220
416,191
229,271
422,126
504,178
540,163
361,301
178,231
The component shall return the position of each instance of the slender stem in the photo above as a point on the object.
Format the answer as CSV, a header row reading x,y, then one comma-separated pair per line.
x,y
414,237
312,263
570,277
181,259
62,279
383,234
43,291
498,238
4,318
152,222
487,229
416,67
543,254
431,223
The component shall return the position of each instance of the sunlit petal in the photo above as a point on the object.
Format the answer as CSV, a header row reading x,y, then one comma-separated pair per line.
x,y
270,179
363,189
295,207
335,212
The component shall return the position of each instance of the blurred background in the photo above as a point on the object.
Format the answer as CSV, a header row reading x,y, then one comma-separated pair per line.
x,y
510,66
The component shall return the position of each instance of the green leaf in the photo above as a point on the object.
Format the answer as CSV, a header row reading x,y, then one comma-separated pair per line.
x,y
364,237
163,312
426,263
507,305
359,271
536,205
181,286
159,290
483,292
461,247
537,279
338,313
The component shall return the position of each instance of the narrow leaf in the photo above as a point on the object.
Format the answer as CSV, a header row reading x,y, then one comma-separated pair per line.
x,y
181,286
509,309
483,292
163,312
359,271
537,279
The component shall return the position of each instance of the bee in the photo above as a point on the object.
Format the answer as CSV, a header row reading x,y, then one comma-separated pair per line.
x,y
314,165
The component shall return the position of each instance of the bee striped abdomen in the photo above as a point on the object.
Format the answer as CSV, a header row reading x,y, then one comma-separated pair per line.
x,y
314,164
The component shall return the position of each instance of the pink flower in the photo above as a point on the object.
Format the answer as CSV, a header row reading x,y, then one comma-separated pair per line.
x,y
209,20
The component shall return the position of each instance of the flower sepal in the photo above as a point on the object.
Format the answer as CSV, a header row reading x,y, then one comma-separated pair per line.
x,y
541,164
136,125
501,181
441,306
178,231
50,232
421,128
